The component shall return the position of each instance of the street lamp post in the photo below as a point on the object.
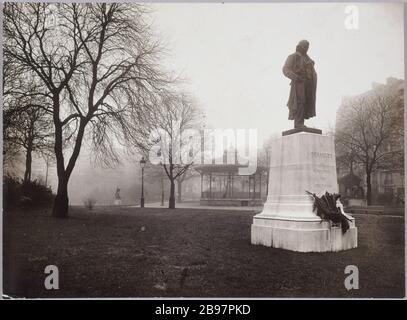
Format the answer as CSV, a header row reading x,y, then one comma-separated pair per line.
x,y
142,165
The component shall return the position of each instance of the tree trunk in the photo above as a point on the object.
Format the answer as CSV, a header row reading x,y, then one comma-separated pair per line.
x,y
61,201
368,189
171,204
179,189
28,164
60,209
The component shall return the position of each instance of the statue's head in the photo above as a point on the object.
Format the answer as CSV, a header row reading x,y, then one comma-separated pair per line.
x,y
303,46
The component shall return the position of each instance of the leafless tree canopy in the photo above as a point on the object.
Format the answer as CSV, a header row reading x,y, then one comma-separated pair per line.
x,y
27,128
370,134
171,133
97,66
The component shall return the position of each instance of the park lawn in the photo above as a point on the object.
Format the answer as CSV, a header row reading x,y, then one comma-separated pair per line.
x,y
153,252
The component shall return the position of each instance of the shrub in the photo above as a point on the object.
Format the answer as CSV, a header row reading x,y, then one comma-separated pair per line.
x,y
37,193
89,203
32,193
11,191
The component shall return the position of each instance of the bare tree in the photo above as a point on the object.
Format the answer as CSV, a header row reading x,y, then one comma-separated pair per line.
x,y
27,126
170,136
32,133
98,64
49,158
367,134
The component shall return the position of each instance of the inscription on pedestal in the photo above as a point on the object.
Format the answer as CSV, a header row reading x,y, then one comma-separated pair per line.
x,y
323,155
303,162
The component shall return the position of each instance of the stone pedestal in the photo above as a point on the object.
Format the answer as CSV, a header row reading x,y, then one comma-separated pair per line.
x,y
300,162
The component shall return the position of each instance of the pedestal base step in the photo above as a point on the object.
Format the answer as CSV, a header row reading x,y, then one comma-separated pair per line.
x,y
302,236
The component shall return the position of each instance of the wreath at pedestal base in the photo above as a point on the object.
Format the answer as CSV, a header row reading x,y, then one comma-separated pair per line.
x,y
329,207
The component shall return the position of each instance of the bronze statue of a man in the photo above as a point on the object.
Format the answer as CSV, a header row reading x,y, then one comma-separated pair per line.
x,y
299,67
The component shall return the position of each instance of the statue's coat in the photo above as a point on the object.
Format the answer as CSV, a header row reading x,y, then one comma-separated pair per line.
x,y
300,69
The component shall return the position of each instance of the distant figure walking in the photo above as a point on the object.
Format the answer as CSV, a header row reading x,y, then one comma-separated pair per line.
x,y
117,198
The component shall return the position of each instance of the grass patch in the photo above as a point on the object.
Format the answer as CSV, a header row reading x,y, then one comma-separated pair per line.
x,y
134,252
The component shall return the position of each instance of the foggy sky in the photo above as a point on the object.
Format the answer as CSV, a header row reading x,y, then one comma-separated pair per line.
x,y
233,53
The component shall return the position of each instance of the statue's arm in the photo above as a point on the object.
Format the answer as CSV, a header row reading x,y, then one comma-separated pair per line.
x,y
288,68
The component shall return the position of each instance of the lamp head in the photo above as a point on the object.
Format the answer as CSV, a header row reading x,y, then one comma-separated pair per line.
x,y
142,162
